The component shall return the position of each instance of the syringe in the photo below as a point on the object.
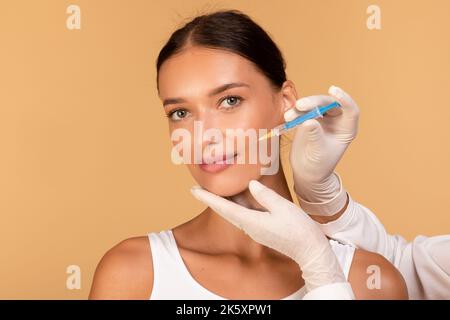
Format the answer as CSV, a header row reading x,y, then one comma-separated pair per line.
x,y
314,113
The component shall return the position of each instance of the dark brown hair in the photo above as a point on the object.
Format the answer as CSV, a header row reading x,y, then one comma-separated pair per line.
x,y
230,30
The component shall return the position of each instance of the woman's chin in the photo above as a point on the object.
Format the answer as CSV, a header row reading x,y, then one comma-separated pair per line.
x,y
228,183
225,189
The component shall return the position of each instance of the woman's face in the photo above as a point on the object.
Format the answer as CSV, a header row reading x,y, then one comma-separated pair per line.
x,y
212,88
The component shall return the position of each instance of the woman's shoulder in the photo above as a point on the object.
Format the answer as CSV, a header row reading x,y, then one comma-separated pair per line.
x,y
373,277
125,271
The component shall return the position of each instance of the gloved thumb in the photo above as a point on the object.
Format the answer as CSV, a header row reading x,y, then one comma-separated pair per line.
x,y
310,135
242,217
265,196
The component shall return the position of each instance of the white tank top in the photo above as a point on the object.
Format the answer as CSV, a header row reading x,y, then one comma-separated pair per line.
x,y
173,281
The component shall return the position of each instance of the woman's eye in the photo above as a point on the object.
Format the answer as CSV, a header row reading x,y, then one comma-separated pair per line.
x,y
231,101
177,114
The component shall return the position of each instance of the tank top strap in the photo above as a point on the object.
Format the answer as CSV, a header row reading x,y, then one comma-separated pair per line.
x,y
167,278
344,254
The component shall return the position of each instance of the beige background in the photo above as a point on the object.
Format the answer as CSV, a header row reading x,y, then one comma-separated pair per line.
x,y
85,149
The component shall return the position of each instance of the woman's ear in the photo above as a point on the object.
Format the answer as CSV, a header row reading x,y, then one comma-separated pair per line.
x,y
288,96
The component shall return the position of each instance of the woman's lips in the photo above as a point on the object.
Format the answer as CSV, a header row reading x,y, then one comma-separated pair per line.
x,y
218,165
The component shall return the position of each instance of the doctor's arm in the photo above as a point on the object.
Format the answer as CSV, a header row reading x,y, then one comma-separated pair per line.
x,y
317,147
424,262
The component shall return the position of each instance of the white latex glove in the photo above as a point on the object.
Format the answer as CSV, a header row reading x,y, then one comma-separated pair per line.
x,y
285,228
317,147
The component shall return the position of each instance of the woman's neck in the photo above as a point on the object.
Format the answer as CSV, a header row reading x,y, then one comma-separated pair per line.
x,y
229,238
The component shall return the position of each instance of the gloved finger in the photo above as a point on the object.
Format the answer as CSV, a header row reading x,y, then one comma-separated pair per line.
x,y
348,105
312,131
306,104
266,197
309,142
240,216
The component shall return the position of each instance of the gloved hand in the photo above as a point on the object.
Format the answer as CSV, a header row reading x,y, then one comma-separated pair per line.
x,y
317,147
285,228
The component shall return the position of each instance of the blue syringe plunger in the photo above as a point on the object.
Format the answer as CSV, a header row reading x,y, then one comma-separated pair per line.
x,y
317,112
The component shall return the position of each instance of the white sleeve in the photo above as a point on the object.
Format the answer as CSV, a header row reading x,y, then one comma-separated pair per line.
x,y
424,262
359,227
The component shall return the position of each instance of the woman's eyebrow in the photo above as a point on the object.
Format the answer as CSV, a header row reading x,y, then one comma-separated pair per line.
x,y
226,87
213,92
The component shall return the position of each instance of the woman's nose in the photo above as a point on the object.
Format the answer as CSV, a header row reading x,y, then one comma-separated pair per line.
x,y
210,122
209,129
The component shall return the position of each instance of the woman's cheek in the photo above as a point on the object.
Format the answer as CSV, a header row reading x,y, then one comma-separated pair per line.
x,y
258,116
182,144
